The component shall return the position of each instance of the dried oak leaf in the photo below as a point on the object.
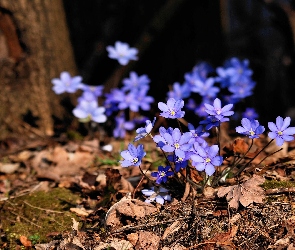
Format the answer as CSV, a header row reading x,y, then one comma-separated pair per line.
x,y
245,193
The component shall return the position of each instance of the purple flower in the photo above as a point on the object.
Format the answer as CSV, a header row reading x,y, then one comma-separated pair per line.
x,y
250,113
192,79
160,195
134,81
197,133
95,90
217,111
66,83
121,126
212,121
201,110
203,69
205,88
122,52
206,158
129,101
191,104
90,111
281,130
159,139
250,128
143,132
172,109
234,70
177,142
162,174
132,156
179,91
143,100
242,89
179,162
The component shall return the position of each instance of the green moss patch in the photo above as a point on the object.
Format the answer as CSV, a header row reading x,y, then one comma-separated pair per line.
x,y
36,215
271,184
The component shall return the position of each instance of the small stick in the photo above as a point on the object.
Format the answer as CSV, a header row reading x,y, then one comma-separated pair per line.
x,y
43,209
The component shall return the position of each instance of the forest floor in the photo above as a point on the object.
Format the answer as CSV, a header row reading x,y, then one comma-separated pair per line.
x,y
57,193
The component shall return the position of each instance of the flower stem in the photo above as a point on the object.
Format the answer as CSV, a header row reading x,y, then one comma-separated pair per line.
x,y
248,163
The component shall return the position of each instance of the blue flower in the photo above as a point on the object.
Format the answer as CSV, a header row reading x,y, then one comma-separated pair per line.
x,y
281,130
191,104
233,71
201,110
205,88
160,195
179,162
162,174
122,52
95,90
128,101
143,99
250,113
242,89
135,82
172,109
159,139
177,142
206,158
66,83
121,126
143,132
197,133
211,121
250,128
87,111
217,111
179,91
132,156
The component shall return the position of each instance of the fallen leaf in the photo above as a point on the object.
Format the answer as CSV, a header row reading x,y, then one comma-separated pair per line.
x,y
81,211
128,207
245,193
25,241
174,227
147,241
9,168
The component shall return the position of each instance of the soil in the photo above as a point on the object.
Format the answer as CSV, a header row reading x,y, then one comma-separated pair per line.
x,y
69,194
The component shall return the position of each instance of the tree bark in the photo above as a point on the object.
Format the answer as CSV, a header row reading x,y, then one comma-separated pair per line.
x,y
34,48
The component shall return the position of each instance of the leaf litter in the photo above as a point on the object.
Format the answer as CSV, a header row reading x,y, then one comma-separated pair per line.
x,y
111,214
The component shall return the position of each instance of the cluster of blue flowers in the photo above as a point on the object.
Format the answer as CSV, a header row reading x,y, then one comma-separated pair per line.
x,y
181,149
88,107
232,82
184,148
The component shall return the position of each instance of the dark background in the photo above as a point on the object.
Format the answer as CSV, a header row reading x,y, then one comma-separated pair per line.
x,y
197,30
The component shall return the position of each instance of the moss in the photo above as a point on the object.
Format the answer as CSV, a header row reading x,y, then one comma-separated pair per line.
x,y
271,184
38,213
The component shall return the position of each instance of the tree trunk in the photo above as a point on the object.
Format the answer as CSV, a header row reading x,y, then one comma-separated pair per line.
x,y
34,48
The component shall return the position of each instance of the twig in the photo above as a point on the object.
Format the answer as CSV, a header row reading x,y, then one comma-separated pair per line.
x,y
128,227
280,190
27,220
43,209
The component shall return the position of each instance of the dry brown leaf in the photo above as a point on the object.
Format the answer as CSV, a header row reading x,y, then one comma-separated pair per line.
x,y
171,229
81,211
128,207
147,241
245,193
25,241
225,238
240,146
117,181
